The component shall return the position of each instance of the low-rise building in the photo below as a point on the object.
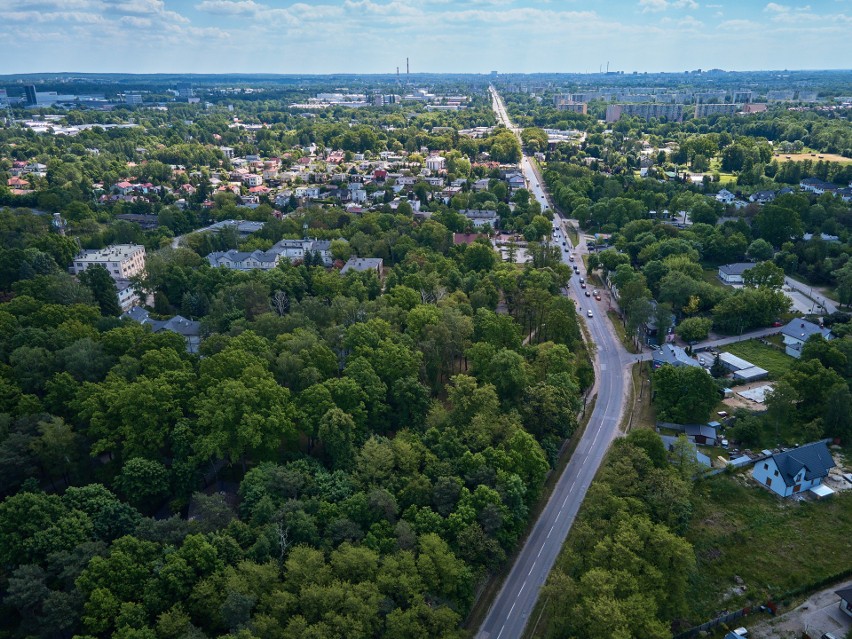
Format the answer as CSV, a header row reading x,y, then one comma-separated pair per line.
x,y
796,470
363,265
481,218
797,332
673,355
733,273
128,297
122,261
244,260
190,330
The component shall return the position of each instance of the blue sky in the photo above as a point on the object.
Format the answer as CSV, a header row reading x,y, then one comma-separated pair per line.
x,y
375,36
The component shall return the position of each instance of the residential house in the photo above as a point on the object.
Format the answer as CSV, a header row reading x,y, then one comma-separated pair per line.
x,y
516,181
252,179
243,260
725,197
127,295
762,197
436,163
17,183
797,332
817,186
795,470
190,330
363,265
124,187
297,249
733,273
481,185
703,434
122,261
673,355
481,218
845,595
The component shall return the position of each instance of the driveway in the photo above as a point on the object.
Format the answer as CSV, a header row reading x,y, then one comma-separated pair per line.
x,y
819,614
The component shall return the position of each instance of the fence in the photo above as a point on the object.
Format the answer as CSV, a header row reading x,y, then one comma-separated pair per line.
x,y
713,623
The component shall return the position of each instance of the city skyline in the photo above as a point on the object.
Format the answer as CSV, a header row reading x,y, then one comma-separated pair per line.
x,y
371,36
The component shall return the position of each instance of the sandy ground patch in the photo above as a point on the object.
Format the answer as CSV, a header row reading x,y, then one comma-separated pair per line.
x,y
820,613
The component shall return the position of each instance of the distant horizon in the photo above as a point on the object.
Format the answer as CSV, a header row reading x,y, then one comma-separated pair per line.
x,y
519,36
611,73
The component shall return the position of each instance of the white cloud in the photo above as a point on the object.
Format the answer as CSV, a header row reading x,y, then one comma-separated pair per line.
x,y
653,6
229,7
774,7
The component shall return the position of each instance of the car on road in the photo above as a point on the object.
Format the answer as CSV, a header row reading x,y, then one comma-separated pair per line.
x,y
589,313
570,257
588,294
582,283
598,297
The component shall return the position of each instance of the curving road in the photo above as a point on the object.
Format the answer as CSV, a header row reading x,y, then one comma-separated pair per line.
x,y
511,609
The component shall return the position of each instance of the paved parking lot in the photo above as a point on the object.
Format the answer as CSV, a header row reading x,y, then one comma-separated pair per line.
x,y
819,614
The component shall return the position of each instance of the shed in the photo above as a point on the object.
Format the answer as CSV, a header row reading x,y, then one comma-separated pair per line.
x,y
751,374
821,491
733,363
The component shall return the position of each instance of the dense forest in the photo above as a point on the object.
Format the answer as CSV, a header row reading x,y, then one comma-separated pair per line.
x,y
347,455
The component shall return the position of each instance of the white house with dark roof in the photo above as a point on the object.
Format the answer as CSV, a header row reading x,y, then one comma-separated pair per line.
x,y
481,218
797,332
243,260
733,273
794,471
725,197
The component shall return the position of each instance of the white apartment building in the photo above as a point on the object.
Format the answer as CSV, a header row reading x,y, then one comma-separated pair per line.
x,y
122,261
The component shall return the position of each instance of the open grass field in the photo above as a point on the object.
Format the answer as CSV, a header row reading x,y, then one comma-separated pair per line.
x,y
771,358
825,157
774,546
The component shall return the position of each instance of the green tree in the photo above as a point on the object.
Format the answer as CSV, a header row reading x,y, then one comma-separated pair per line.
x,y
694,329
764,275
97,279
684,394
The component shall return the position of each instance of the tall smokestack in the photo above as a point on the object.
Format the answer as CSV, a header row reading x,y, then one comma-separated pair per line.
x,y
407,72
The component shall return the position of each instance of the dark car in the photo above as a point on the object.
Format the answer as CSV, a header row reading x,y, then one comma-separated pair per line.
x,y
588,294
582,285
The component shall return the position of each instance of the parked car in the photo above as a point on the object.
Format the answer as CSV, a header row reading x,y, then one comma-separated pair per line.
x,y
582,280
588,294
776,324
582,284
598,297
589,313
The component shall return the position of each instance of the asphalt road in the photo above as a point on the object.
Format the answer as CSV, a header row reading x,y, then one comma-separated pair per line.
x,y
510,612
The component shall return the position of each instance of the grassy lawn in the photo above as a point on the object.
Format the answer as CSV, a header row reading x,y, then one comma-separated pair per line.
x,y
643,414
711,275
770,358
622,334
775,546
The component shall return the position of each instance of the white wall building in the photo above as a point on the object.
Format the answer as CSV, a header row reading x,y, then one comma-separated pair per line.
x,y
122,261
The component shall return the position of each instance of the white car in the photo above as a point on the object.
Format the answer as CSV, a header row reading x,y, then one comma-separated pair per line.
x,y
589,313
